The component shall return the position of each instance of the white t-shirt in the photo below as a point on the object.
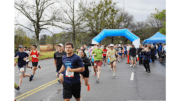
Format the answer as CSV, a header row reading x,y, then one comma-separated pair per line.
x,y
128,48
27,52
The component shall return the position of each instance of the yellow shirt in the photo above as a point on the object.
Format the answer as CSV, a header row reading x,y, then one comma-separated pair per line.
x,y
111,53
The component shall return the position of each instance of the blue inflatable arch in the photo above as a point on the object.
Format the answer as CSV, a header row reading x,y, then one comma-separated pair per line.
x,y
117,32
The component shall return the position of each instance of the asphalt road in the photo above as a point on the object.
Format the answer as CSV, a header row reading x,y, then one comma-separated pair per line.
x,y
124,87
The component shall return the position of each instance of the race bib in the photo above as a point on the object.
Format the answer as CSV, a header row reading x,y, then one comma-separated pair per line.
x,y
34,56
112,56
69,74
22,70
104,52
95,64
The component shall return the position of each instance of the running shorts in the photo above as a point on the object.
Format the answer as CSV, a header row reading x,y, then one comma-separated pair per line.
x,y
21,68
120,54
85,74
27,63
92,63
97,63
113,61
104,57
34,64
71,89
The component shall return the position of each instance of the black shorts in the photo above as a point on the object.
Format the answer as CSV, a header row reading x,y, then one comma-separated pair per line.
x,y
71,89
85,74
116,56
104,57
34,64
27,63
92,63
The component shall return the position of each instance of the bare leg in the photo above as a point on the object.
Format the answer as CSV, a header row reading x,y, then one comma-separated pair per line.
x,y
99,72
86,81
34,69
114,67
20,79
61,78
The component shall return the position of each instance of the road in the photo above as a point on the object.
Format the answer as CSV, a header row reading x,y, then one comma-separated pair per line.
x,y
130,84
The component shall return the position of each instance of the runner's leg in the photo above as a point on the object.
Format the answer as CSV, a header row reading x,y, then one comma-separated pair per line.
x,y
99,71
114,67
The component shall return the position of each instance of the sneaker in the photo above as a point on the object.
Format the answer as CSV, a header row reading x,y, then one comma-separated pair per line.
x,y
135,66
31,67
111,69
39,66
97,80
30,78
18,88
109,66
113,75
130,65
88,87
95,74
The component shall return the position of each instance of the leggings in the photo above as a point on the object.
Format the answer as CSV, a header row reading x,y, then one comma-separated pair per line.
x,y
152,58
146,65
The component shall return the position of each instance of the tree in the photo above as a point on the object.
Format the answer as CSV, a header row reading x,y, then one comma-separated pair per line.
x,y
43,39
37,13
21,38
162,17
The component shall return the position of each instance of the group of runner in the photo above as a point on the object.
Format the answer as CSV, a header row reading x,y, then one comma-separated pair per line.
x,y
72,69
23,58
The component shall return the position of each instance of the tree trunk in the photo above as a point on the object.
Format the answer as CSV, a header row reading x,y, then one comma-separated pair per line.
x,y
112,41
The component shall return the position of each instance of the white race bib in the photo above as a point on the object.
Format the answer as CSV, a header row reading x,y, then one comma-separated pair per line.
x,y
94,64
22,70
34,56
112,56
69,74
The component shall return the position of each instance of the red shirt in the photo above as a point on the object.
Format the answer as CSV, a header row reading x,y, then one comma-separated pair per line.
x,y
104,52
36,54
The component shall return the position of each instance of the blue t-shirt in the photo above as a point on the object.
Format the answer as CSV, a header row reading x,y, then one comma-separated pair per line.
x,y
125,48
73,62
160,48
21,61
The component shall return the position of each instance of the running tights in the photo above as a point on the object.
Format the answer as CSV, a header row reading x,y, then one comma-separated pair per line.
x,y
146,65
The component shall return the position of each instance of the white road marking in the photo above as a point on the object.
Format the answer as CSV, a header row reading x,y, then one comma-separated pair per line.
x,y
132,76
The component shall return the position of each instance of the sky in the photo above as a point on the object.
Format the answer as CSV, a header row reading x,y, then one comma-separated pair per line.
x,y
140,9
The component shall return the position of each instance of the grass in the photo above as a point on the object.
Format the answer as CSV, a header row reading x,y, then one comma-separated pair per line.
x,y
45,55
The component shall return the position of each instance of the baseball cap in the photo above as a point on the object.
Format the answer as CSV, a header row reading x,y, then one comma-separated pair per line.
x,y
20,46
60,44
111,45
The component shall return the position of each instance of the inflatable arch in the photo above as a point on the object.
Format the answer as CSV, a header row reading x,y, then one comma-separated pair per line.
x,y
117,32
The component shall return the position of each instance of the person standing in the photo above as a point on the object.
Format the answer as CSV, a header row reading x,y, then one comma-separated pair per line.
x,y
152,54
85,75
139,54
146,58
58,61
35,54
97,53
111,54
132,52
22,57
72,65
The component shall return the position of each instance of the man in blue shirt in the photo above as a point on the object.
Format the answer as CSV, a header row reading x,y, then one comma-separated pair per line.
x,y
160,51
72,65
22,57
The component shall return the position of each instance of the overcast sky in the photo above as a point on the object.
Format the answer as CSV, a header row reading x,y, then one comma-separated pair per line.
x,y
140,9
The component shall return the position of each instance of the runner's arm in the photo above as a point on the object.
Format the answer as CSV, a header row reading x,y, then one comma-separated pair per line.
x,y
87,62
39,55
62,69
80,69
55,62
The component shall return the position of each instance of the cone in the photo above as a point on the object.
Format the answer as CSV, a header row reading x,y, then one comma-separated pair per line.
x,y
127,59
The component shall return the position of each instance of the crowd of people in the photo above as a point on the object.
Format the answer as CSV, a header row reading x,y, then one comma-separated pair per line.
x,y
72,68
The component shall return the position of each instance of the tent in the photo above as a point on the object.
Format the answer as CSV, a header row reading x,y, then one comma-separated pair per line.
x,y
156,38
117,32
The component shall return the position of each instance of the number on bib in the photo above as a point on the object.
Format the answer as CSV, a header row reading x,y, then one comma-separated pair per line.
x,y
69,74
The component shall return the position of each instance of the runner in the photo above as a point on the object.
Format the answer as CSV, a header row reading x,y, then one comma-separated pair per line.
x,y
97,53
21,56
85,74
27,61
117,49
58,61
111,54
72,65
35,54
104,55
120,52
132,53
152,54
87,52
92,62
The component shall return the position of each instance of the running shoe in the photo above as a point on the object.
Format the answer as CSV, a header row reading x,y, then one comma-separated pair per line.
x,y
113,75
130,65
18,88
88,87
109,66
39,66
95,74
59,81
31,67
30,78
97,80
